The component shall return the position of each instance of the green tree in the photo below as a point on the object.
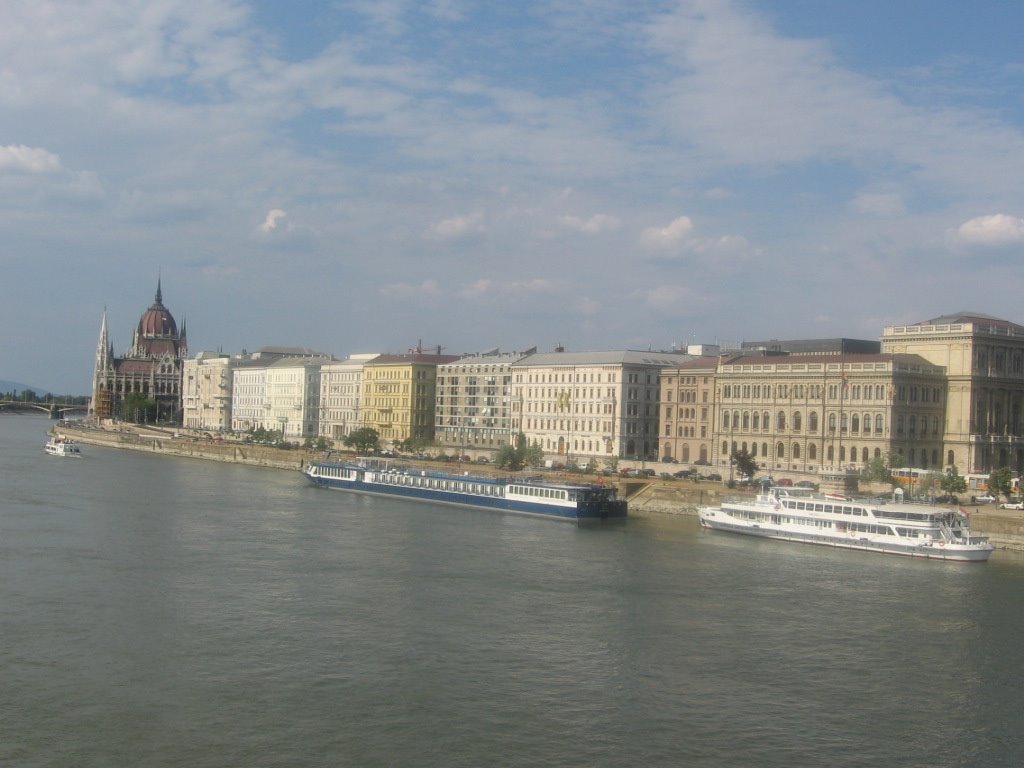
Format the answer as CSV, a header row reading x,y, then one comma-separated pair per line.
x,y
745,463
953,481
138,408
877,470
999,482
520,455
363,440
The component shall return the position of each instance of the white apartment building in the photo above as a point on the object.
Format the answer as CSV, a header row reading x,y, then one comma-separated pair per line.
x,y
293,396
341,396
206,392
249,405
590,405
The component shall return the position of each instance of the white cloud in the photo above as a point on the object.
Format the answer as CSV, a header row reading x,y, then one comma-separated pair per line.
x,y
275,216
459,226
596,224
670,236
997,229
485,288
32,159
879,204
428,289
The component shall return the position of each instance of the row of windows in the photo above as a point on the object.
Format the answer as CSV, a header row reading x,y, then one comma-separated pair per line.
x,y
855,422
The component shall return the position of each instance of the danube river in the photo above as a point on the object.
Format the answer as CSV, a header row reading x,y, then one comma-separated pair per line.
x,y
161,611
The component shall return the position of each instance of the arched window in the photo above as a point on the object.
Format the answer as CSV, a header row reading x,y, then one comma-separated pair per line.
x,y
831,453
746,420
765,421
812,421
725,447
949,458
878,423
685,453
795,453
831,422
780,451
867,423
812,452
797,421
753,449
842,453
725,419
735,419
855,423
878,453
757,421
764,449
780,423
864,455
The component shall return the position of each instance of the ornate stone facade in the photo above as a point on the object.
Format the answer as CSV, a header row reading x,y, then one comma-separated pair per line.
x,y
152,367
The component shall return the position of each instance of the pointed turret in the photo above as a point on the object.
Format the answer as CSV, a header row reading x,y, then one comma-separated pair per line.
x,y
99,405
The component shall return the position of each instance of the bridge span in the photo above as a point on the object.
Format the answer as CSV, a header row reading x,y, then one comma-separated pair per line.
x,y
54,410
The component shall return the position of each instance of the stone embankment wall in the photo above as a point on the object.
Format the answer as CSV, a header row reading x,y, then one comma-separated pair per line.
x,y
157,442
1005,528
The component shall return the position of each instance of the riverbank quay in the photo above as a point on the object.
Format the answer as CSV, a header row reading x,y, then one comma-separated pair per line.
x,y
159,441
1005,528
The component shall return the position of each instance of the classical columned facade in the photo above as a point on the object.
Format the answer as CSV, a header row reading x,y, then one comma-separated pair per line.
x,y
809,413
984,361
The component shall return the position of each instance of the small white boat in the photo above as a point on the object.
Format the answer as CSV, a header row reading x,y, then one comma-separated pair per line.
x,y
61,445
873,525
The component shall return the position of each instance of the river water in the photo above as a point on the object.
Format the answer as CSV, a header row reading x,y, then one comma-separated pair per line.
x,y
161,611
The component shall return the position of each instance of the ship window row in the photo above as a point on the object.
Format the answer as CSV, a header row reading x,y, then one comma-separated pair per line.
x,y
822,507
544,493
442,484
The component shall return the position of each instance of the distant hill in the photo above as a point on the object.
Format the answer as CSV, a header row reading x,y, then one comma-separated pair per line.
x,y
15,386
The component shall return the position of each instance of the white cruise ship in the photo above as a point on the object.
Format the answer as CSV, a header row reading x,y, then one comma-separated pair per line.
x,y
889,526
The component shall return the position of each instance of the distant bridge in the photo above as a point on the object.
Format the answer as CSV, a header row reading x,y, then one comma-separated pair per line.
x,y
54,410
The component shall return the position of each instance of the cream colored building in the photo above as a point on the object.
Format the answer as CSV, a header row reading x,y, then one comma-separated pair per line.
x,y
808,413
249,404
589,405
398,393
206,392
278,400
984,361
341,396
688,410
473,405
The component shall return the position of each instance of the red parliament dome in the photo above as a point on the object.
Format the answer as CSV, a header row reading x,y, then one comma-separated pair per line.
x,y
157,321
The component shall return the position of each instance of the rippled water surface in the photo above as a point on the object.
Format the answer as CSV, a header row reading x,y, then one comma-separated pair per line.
x,y
157,611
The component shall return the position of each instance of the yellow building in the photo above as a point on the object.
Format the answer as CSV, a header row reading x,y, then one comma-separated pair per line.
x,y
687,410
813,413
398,395
984,361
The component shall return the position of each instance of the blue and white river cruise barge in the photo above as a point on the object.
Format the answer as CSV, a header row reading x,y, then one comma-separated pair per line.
x,y
580,502
873,525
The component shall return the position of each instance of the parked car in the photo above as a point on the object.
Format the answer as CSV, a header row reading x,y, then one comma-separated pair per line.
x,y
947,499
785,481
985,498
1012,504
701,462
807,484
683,473
713,476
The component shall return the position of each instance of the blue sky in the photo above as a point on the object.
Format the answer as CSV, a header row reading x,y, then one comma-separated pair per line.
x,y
359,176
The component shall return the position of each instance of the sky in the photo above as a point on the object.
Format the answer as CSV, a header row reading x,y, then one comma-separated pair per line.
x,y
369,175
